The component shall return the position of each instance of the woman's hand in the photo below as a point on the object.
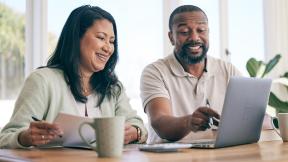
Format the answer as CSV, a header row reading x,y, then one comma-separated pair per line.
x,y
39,133
130,134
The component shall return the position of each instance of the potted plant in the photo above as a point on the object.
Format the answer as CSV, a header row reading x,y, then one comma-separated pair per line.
x,y
260,69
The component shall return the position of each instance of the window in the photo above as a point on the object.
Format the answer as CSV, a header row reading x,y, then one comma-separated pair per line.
x,y
12,49
246,32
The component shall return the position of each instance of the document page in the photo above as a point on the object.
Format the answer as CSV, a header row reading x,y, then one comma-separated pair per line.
x,y
71,138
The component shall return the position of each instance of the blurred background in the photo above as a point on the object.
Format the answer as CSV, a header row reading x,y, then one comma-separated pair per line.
x,y
239,30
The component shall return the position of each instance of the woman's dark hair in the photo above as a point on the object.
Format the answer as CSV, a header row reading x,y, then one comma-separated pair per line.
x,y
67,54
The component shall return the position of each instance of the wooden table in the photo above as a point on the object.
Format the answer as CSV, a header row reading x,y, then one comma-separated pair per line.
x,y
270,148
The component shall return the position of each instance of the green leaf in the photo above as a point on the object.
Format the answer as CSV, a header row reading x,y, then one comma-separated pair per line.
x,y
282,80
270,65
285,79
261,70
276,103
253,66
285,75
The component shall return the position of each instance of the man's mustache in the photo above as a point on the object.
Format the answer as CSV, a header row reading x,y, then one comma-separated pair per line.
x,y
192,43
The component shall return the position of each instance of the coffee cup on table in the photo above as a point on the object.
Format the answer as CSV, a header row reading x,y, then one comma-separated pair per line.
x,y
109,132
283,126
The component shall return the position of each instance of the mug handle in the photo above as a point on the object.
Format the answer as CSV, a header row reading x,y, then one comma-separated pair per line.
x,y
273,125
82,137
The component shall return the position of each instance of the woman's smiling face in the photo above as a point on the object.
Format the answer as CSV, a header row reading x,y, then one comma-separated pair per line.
x,y
96,47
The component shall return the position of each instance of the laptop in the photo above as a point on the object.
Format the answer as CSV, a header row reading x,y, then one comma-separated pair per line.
x,y
242,115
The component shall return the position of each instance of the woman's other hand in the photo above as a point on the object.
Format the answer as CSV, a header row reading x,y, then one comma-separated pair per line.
x,y
130,134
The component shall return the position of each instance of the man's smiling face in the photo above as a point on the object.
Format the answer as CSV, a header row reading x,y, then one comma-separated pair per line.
x,y
190,36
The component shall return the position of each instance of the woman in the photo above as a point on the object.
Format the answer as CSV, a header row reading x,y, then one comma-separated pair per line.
x,y
79,79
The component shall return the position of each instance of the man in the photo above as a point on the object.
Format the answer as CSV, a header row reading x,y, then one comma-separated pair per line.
x,y
177,91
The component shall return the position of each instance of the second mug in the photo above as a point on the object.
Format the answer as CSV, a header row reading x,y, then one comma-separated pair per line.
x,y
283,126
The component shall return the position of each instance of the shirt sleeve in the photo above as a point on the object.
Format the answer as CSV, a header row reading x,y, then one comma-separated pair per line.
x,y
123,108
152,85
29,102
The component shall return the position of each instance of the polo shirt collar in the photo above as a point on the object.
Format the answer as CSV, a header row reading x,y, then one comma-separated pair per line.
x,y
178,70
211,69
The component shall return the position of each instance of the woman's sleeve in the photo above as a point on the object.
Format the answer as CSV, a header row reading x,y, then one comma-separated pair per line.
x,y
123,108
31,101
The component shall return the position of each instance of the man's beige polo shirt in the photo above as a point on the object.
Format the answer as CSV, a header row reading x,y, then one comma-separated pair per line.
x,y
167,78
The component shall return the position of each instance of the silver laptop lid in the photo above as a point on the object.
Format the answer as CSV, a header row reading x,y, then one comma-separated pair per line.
x,y
243,111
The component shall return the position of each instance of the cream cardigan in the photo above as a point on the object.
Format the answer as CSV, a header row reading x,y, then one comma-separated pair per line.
x,y
45,93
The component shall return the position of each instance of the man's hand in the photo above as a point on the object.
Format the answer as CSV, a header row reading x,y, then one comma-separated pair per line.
x,y
172,128
199,120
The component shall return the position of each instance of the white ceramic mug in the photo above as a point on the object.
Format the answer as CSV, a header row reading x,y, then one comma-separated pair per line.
x,y
283,126
109,133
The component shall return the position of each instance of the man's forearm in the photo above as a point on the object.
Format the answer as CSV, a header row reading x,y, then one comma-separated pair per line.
x,y
171,128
